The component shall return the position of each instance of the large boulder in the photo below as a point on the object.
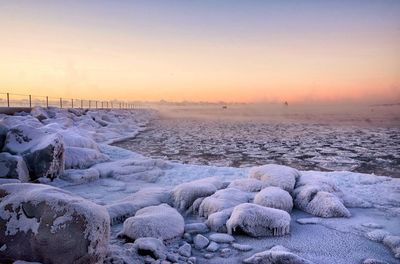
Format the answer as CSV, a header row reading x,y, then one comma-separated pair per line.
x,y
42,150
186,193
276,175
274,197
161,222
258,221
223,199
13,167
45,224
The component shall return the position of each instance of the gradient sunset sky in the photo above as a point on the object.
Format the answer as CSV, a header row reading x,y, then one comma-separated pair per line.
x,y
202,50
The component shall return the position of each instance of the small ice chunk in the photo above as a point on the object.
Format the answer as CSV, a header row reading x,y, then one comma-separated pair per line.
x,y
242,247
309,221
221,238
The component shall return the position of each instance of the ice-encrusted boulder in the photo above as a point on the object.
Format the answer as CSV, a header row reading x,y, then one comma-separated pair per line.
x,y
217,221
39,113
13,167
276,255
42,150
161,221
247,184
73,139
48,225
149,246
82,158
127,207
319,203
3,135
28,120
258,221
186,193
80,176
276,175
274,197
223,199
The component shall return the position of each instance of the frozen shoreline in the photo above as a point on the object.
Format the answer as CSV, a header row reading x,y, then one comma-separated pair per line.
x,y
373,201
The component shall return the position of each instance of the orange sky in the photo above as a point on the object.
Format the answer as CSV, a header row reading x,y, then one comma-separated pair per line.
x,y
109,53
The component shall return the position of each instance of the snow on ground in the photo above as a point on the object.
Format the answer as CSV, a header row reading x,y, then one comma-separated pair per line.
x,y
371,232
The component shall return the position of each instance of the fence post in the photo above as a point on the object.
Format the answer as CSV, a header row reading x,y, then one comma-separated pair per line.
x,y
8,100
47,102
89,104
30,101
96,104
60,102
119,105
111,105
81,103
72,103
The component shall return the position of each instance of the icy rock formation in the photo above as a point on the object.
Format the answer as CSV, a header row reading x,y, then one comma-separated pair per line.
x,y
223,199
149,246
80,176
185,250
276,175
45,224
39,113
186,193
13,167
127,207
274,197
200,241
258,221
11,121
82,158
42,151
276,255
194,208
319,203
393,242
73,139
217,221
247,185
161,221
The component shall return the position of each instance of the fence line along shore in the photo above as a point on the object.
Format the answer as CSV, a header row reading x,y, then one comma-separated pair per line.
x,y
10,101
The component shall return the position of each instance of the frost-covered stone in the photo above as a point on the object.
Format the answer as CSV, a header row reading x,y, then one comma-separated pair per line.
x,y
13,167
393,242
192,260
73,139
127,207
226,252
42,151
186,193
247,185
217,221
80,176
200,241
320,203
223,199
221,238
258,221
39,113
212,247
274,197
276,255
197,228
150,246
161,221
45,224
185,250
194,208
82,158
276,175
242,247
377,235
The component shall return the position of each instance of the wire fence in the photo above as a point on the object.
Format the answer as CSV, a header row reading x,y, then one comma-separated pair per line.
x,y
11,100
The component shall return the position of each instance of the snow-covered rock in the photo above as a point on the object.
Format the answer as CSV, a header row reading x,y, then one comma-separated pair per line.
x,y
161,221
377,235
196,228
46,224
82,158
186,193
14,167
127,207
393,242
28,120
221,238
276,255
258,221
39,113
274,197
276,175
80,176
42,151
217,221
200,241
242,247
149,246
185,250
247,184
223,199
212,247
319,203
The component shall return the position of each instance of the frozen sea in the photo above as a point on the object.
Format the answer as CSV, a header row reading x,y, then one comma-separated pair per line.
x,y
362,139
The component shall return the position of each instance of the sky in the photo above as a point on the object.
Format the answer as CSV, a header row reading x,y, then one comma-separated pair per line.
x,y
200,50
